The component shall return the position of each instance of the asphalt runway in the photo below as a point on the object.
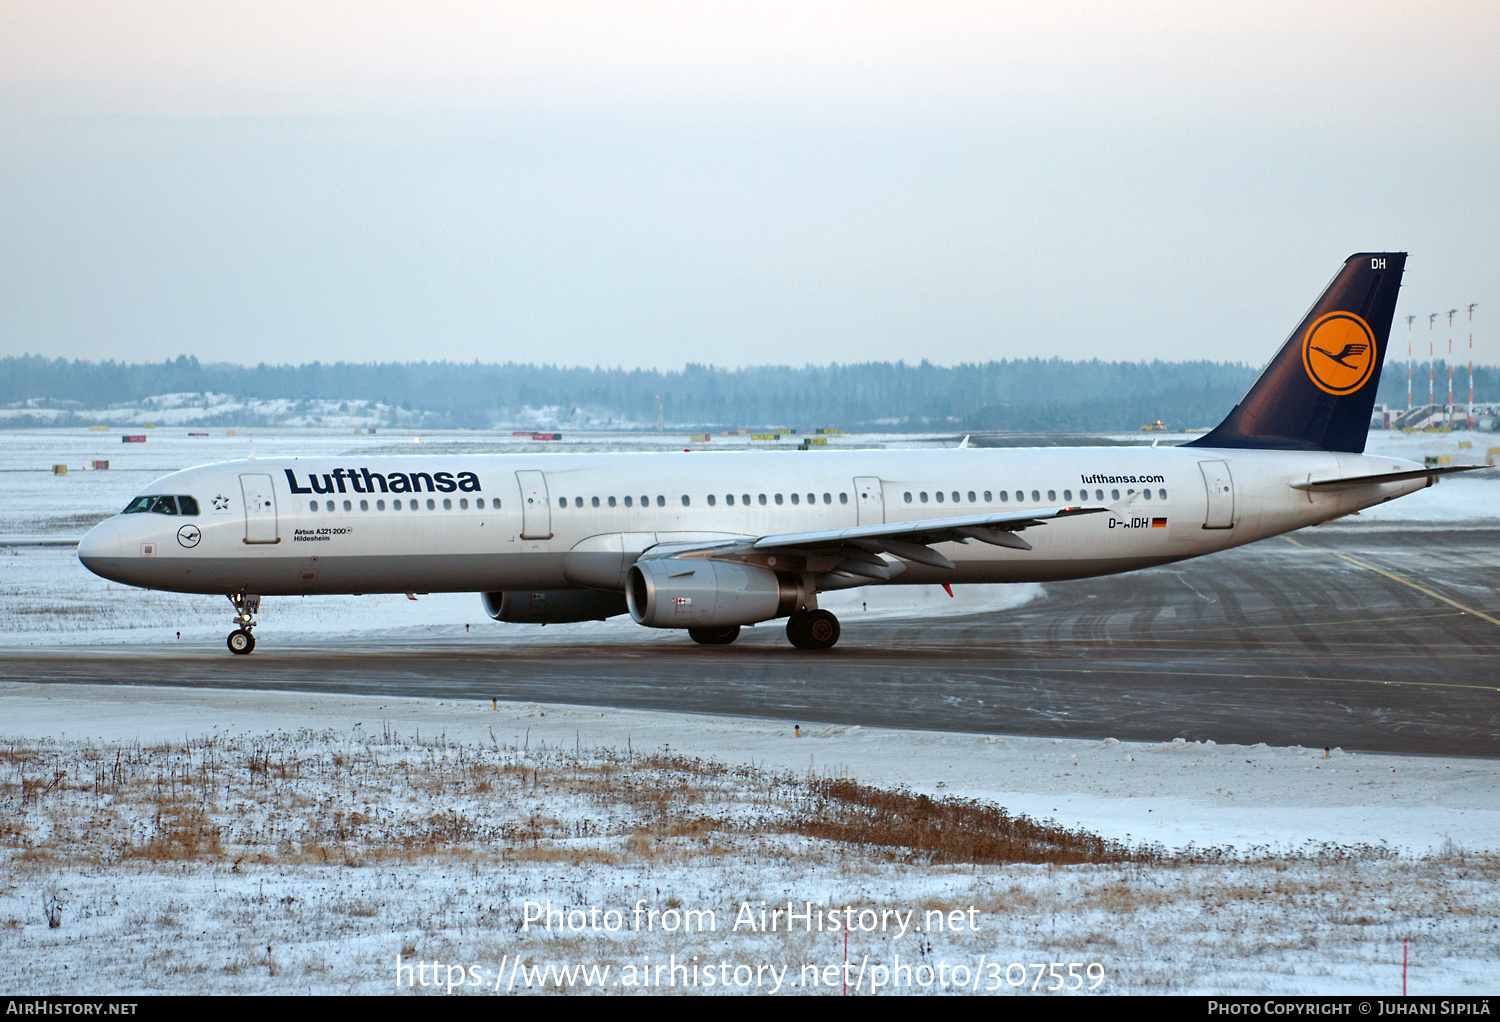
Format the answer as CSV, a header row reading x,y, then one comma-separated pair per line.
x,y
1378,638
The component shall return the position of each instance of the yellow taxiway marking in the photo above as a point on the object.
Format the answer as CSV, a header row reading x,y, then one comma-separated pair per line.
x,y
1406,582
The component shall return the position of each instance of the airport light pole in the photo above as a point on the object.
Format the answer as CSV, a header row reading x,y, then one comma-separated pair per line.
x,y
1431,366
1471,363
1451,314
1408,362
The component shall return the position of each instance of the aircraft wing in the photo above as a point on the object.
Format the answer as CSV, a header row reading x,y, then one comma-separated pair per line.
x,y
854,549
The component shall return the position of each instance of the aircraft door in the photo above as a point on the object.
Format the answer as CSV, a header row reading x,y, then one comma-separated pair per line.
x,y
536,506
870,500
1220,487
260,509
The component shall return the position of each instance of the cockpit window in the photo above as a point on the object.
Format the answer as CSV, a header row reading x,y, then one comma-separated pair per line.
x,y
161,504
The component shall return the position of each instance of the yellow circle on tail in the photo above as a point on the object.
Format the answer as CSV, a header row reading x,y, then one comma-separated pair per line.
x,y
1339,353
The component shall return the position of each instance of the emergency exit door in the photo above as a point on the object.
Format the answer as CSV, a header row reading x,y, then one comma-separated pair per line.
x,y
870,500
536,508
1220,485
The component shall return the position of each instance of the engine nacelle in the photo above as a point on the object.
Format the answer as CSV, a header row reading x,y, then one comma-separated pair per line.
x,y
680,593
553,606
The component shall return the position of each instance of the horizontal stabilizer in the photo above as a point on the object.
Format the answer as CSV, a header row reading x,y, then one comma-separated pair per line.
x,y
1350,482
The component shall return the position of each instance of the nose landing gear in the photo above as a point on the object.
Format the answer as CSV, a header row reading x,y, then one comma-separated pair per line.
x,y
241,640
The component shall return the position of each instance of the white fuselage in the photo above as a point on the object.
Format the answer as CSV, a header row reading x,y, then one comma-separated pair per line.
x,y
539,521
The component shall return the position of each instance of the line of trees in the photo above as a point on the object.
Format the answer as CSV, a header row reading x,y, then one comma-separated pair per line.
x,y
1020,394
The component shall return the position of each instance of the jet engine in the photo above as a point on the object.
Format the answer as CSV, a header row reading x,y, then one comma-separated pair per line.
x,y
679,593
553,606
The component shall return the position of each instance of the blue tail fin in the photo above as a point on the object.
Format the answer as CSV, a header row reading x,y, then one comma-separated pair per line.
x,y
1318,392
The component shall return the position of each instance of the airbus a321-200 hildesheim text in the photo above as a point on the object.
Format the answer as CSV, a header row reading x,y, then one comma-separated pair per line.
x,y
710,542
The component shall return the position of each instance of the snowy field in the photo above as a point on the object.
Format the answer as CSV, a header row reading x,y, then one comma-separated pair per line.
x,y
213,841
179,841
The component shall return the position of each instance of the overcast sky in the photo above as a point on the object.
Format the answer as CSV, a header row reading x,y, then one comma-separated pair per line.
x,y
650,184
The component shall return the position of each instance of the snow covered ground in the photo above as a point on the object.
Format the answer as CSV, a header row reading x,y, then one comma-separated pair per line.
x,y
228,842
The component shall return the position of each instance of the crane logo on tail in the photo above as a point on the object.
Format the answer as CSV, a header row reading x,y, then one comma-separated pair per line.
x,y
1339,353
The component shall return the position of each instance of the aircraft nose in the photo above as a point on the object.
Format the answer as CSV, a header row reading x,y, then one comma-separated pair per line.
x,y
99,547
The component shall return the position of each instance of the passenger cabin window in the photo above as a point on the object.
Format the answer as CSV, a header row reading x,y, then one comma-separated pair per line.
x,y
1051,495
971,497
711,500
447,504
955,496
1004,497
348,505
1067,494
745,499
843,498
463,503
987,497
907,496
611,502
627,501
796,498
685,500
578,502
763,499
1114,494
939,496
431,505
380,505
828,498
778,498
312,505
330,505
812,498
364,505
562,501
661,501
922,496
1036,498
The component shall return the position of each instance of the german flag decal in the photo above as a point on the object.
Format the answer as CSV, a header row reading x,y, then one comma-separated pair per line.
x,y
1158,523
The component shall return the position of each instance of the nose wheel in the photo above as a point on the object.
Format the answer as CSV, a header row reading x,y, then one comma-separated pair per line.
x,y
812,629
242,641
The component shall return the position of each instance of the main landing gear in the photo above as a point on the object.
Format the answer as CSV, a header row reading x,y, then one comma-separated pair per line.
x,y
715,636
241,640
812,629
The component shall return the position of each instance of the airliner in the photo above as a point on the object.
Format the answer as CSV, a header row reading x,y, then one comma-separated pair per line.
x,y
711,542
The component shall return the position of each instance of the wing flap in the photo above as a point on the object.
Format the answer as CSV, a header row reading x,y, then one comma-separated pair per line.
x,y
856,550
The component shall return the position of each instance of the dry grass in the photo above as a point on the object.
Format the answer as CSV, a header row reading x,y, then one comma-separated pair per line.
x,y
430,848
354,800
319,798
